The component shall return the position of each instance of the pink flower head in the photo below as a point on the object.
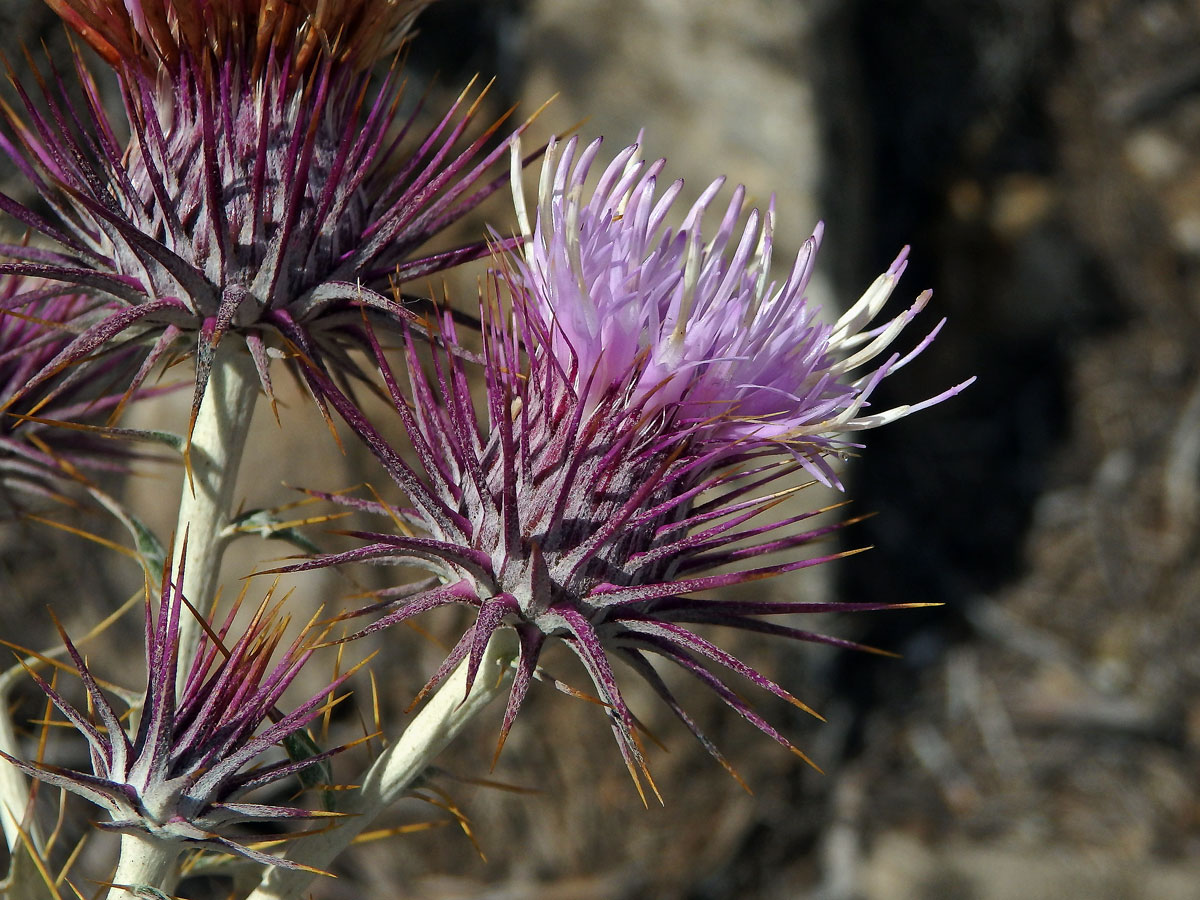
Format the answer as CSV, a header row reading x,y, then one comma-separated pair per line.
x,y
697,325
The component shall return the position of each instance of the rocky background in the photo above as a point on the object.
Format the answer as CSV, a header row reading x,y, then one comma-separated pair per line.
x,y
1040,737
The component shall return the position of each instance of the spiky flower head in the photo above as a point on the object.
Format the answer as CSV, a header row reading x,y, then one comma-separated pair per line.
x,y
607,484
246,202
183,774
695,324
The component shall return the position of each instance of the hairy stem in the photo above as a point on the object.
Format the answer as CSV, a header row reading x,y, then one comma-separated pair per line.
x,y
205,506
394,772
145,862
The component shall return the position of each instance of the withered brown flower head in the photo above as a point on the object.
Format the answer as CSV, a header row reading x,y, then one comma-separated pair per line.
x,y
153,34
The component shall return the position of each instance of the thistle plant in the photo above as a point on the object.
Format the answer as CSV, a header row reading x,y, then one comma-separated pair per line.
x,y
604,473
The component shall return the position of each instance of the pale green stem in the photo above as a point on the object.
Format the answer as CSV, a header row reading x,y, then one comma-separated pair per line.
x,y
394,772
14,786
206,502
148,868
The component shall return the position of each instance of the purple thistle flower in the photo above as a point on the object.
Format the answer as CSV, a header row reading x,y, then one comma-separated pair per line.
x,y
645,395
181,777
589,516
259,194
697,324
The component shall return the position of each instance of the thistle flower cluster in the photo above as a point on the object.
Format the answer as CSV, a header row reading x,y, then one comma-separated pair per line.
x,y
651,395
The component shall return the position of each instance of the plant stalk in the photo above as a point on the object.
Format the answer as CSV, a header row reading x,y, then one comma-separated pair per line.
x,y
14,786
394,772
206,501
147,865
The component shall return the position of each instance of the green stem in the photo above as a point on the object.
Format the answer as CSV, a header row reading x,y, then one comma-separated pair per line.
x,y
14,786
206,504
394,772
147,865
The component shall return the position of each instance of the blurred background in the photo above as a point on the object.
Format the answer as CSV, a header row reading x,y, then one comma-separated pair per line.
x,y
1040,736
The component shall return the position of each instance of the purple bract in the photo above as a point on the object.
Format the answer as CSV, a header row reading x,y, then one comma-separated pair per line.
x,y
36,458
